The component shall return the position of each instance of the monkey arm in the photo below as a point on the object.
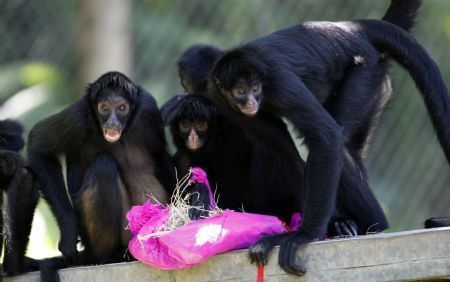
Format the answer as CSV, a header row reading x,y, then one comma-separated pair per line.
x,y
42,159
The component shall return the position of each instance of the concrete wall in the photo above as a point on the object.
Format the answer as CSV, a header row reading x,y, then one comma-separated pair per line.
x,y
411,255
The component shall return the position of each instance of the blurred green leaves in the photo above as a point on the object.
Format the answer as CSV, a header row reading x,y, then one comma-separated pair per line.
x,y
29,91
39,60
39,72
447,26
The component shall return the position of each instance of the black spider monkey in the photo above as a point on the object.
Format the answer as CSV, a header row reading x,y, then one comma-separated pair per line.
x,y
194,66
18,182
114,147
238,166
193,69
325,78
237,184
205,140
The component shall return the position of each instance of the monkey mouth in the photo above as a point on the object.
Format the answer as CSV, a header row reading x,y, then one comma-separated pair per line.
x,y
111,135
194,146
250,111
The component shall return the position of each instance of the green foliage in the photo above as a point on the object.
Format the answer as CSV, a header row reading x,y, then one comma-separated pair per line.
x,y
39,72
406,166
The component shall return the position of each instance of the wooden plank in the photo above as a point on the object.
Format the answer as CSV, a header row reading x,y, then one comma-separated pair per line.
x,y
401,256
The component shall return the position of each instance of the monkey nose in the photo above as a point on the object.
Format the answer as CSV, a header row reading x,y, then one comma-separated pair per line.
x,y
193,135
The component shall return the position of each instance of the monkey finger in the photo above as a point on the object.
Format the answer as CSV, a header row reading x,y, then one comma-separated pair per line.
x,y
338,229
264,259
252,257
259,253
203,214
256,258
353,227
345,229
194,214
286,257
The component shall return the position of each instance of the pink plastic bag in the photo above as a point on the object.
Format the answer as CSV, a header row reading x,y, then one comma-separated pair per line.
x,y
198,240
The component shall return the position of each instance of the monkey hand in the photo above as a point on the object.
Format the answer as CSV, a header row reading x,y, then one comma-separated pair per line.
x,y
68,244
341,226
287,258
67,248
259,251
200,202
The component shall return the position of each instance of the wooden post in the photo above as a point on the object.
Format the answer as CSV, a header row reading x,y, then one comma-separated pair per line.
x,y
105,38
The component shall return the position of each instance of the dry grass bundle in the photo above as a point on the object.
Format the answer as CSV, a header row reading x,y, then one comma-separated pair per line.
x,y
179,208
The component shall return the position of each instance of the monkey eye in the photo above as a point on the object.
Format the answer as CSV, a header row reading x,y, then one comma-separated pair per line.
x,y
256,88
103,109
123,108
201,126
239,92
185,126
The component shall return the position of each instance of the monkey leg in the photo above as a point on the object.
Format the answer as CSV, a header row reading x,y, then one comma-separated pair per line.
x,y
22,197
356,108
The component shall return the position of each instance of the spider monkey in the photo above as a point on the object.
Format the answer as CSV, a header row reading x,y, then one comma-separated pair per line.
x,y
194,66
325,78
113,143
237,167
205,140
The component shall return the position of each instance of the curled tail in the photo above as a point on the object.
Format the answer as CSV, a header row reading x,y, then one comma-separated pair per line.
x,y
402,13
415,59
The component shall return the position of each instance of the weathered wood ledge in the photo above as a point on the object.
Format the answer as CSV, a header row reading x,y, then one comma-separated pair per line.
x,y
401,256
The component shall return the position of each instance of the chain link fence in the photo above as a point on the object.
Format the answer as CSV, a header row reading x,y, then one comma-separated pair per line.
x,y
49,50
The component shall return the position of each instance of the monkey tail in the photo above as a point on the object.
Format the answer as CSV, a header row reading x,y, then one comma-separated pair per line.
x,y
402,13
101,206
415,59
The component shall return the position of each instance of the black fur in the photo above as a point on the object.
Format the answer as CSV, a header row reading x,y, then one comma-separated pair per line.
x,y
19,184
240,169
311,78
415,59
225,155
104,179
437,222
11,135
354,197
402,13
243,173
194,66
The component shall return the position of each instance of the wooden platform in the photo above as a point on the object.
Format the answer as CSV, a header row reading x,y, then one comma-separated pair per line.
x,y
402,256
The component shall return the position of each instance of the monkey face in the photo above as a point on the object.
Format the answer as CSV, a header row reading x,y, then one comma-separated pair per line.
x,y
194,133
113,111
244,97
247,98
